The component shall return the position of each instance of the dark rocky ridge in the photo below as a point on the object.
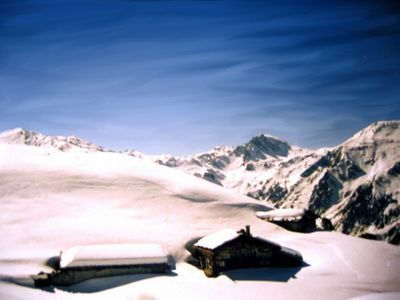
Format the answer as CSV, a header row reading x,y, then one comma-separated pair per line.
x,y
260,147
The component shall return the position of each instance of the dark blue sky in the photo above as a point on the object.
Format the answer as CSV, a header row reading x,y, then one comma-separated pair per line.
x,y
184,76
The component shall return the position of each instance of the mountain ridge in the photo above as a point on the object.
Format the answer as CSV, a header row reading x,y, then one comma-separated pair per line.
x,y
355,184
31,138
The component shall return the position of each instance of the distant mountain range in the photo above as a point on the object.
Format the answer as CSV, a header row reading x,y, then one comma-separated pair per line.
x,y
356,184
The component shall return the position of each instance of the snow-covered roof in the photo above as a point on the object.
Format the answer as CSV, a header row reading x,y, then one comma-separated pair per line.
x,y
223,236
118,254
284,213
291,252
217,239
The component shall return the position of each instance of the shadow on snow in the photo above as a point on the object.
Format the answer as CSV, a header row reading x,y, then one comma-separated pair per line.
x,y
264,274
88,286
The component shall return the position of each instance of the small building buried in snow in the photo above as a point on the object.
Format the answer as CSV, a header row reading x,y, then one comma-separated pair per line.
x,y
86,262
299,220
228,249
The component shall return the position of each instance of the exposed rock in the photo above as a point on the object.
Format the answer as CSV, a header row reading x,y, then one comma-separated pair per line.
x,y
364,208
213,176
346,169
262,146
250,167
395,170
325,193
275,193
321,163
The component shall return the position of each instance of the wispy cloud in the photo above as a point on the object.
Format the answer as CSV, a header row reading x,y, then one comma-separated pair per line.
x,y
183,76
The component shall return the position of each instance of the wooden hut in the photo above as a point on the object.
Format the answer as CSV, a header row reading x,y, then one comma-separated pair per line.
x,y
229,249
85,262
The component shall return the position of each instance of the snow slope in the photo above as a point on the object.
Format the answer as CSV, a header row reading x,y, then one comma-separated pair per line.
x,y
53,200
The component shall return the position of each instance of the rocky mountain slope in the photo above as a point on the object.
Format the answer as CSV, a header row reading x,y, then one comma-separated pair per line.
x,y
356,184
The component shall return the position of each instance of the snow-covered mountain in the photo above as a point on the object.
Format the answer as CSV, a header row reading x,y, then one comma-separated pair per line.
x,y
356,184
235,167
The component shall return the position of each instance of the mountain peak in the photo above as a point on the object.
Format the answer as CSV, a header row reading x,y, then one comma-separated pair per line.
x,y
17,135
266,140
376,132
261,146
381,126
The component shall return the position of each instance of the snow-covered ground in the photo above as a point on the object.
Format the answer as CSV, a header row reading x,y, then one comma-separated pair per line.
x,y
52,200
